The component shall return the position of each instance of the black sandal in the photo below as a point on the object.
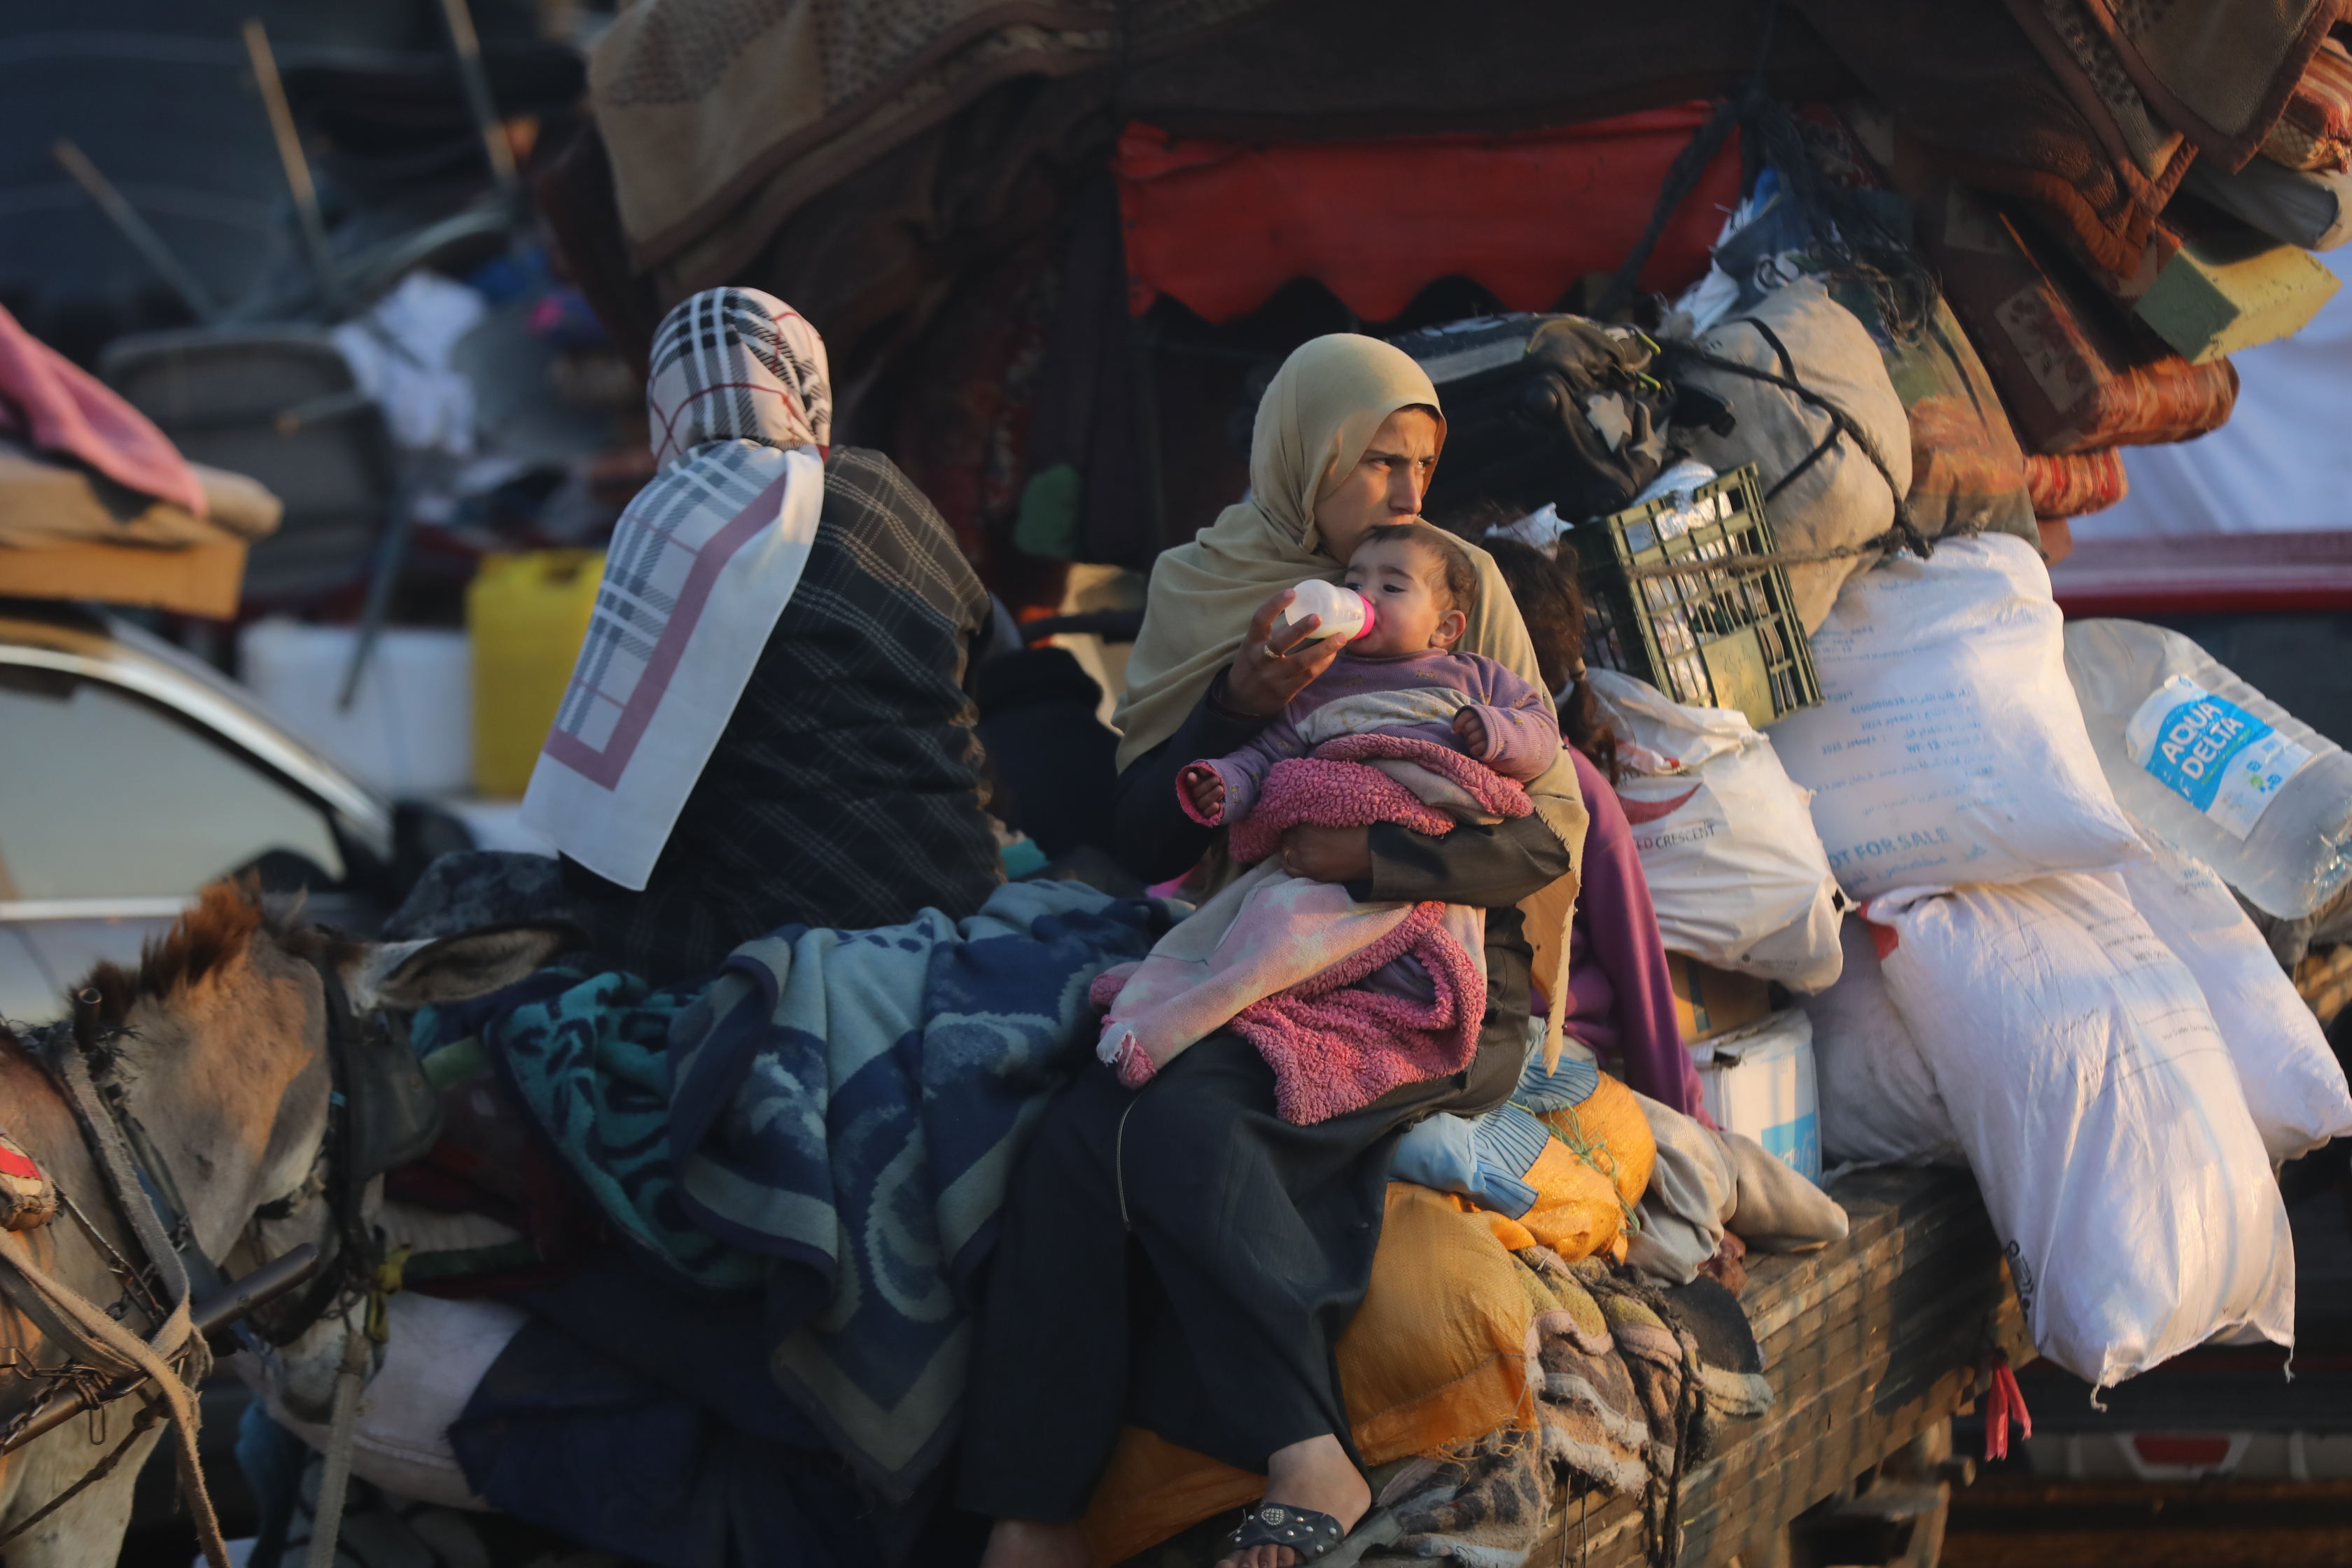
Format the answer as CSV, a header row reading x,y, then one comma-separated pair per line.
x,y
1304,1531
1313,1536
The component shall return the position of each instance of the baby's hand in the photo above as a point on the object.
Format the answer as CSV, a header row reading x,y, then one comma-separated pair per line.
x,y
1204,789
1473,730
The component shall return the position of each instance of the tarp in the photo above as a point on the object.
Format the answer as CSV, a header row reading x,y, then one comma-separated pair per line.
x,y
1220,225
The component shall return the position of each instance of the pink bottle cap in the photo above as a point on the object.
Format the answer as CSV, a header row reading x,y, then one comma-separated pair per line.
x,y
1371,618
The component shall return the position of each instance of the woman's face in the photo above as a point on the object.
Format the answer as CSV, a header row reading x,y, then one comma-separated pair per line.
x,y
1385,485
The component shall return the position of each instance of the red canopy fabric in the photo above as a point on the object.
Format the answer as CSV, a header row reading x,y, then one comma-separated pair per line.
x,y
1221,225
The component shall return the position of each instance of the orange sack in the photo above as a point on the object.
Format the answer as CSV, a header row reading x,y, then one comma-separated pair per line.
x,y
1444,1345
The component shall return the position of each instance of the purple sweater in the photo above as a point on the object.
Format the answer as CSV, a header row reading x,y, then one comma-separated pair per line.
x,y
1621,1002
1520,720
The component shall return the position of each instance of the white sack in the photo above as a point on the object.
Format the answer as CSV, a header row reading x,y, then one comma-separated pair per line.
x,y
1736,872
1948,748
2214,768
1879,1103
438,1354
1839,497
2294,1084
2101,1116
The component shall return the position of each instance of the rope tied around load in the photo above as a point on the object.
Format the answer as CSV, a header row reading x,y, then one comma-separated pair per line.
x,y
1905,534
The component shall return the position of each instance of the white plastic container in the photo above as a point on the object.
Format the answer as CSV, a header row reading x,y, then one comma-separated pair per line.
x,y
410,728
1759,1082
1346,613
2211,766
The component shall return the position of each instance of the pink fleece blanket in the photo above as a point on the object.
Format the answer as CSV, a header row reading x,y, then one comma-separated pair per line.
x,y
1279,959
57,406
1336,788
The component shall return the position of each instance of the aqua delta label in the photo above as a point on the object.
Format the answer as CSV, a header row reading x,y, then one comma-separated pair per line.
x,y
2212,753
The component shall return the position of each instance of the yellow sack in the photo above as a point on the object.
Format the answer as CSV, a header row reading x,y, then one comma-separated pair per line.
x,y
1440,1353
1591,1177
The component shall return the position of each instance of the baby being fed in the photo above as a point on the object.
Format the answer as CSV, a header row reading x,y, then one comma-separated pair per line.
x,y
1400,677
1347,1000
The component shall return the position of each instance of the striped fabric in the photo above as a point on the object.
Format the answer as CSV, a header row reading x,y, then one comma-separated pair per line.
x,y
2315,130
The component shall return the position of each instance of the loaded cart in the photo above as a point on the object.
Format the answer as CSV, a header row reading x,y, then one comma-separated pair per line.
x,y
1871,1345
1795,336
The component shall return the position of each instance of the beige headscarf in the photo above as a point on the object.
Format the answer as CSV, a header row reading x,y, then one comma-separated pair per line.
x,y
1320,411
1318,415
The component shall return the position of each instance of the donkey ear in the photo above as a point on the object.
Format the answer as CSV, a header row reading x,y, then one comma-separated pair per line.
x,y
411,974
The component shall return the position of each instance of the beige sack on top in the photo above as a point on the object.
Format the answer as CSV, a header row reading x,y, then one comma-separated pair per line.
x,y
1840,497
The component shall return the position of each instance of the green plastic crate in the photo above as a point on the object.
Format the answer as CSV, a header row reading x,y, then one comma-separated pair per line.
x,y
1707,638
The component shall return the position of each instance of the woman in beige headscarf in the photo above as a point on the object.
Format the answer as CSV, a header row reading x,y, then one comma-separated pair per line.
x,y
1258,1234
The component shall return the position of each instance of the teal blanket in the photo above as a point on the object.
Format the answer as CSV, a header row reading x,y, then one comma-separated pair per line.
x,y
833,1122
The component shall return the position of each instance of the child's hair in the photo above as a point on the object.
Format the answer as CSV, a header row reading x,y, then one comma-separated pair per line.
x,y
1457,574
1551,603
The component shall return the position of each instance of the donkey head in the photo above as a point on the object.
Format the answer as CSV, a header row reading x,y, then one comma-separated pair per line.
x,y
219,1041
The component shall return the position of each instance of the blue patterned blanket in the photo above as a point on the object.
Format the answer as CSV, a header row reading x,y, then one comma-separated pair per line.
x,y
831,1122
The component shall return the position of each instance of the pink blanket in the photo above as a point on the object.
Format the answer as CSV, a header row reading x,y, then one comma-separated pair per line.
x,y
57,406
1336,788
1280,960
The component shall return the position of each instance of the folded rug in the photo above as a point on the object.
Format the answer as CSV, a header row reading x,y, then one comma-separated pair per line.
x,y
2314,131
2076,484
2220,70
2074,372
1968,83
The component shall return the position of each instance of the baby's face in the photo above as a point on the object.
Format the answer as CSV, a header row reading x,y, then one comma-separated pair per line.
x,y
1403,582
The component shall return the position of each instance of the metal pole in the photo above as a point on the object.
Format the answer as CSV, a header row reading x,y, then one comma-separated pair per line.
x,y
136,229
392,550
289,154
478,96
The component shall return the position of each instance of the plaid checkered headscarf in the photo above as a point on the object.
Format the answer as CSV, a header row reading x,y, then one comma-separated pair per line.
x,y
736,364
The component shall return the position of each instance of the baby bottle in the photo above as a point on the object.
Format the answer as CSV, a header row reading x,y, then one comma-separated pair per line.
x,y
1346,613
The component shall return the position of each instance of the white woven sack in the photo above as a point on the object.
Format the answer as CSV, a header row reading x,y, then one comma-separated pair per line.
x,y
1879,1103
1948,747
2294,1084
2101,1116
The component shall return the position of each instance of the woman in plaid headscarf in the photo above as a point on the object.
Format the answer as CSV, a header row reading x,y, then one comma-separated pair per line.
x,y
766,724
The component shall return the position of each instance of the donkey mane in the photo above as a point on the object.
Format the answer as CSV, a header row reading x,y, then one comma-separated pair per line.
x,y
208,937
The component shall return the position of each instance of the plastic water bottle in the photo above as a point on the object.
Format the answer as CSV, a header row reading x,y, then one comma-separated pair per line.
x,y
1346,613
2211,766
